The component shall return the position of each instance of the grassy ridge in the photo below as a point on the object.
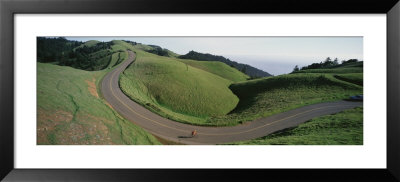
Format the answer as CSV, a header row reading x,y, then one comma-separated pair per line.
x,y
172,54
354,67
169,88
217,68
121,57
356,78
71,112
116,58
264,97
89,43
103,62
344,128
177,90
143,47
334,70
359,64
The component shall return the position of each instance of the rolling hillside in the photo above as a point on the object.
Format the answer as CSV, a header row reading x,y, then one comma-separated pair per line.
x,y
207,92
344,128
178,90
218,68
70,111
333,70
188,92
161,52
356,78
267,96
89,43
346,67
245,68
184,90
52,50
91,55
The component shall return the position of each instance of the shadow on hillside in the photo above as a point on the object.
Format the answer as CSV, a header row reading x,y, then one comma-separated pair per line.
x,y
244,104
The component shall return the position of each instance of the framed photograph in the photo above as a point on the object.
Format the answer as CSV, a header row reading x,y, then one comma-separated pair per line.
x,y
117,90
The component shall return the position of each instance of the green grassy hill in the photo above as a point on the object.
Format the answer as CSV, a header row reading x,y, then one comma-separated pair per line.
x,y
172,54
197,92
354,67
89,43
116,58
194,92
344,128
349,72
120,44
143,47
356,78
358,64
177,90
264,97
92,55
333,70
70,111
245,68
218,68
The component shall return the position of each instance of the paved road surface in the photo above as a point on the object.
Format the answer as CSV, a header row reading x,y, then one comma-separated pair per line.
x,y
179,132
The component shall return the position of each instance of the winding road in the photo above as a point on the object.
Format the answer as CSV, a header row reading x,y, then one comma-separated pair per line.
x,y
179,132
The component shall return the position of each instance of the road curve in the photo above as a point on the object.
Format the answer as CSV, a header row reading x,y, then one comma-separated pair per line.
x,y
179,132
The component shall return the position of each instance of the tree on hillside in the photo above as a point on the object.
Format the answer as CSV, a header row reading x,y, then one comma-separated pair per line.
x,y
335,62
131,42
352,60
328,62
296,68
243,70
53,49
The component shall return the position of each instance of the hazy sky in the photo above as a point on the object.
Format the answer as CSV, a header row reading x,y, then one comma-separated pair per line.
x,y
276,55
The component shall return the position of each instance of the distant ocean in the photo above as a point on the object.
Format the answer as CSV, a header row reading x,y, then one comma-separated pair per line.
x,y
272,66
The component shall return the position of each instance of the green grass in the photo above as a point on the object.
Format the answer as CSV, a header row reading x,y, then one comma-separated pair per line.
x,y
177,90
172,54
116,58
100,54
265,97
122,45
113,60
70,112
196,92
334,70
356,78
344,128
89,43
358,64
122,57
118,46
143,47
355,67
218,68
104,58
189,92
102,63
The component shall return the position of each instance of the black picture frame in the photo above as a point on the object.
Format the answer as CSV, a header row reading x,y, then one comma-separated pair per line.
x,y
8,8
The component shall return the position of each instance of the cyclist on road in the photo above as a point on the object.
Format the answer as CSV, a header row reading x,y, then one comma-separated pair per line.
x,y
194,133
